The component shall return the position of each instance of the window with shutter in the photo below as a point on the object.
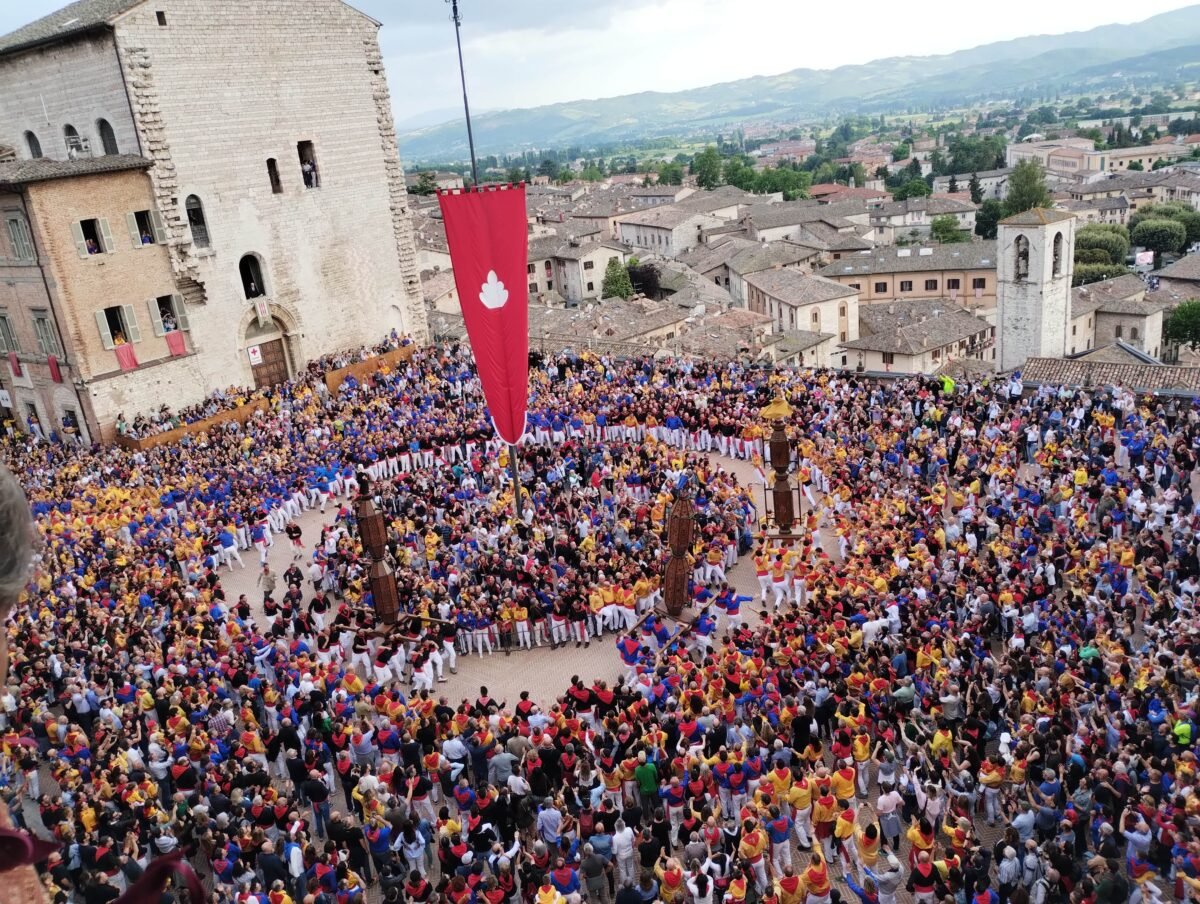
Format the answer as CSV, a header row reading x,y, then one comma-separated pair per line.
x,y
132,331
106,235
181,317
156,321
106,337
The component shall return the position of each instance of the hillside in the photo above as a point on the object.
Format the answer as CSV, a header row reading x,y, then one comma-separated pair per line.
x,y
1093,57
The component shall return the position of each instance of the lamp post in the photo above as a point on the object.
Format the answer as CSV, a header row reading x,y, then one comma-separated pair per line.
x,y
372,530
779,452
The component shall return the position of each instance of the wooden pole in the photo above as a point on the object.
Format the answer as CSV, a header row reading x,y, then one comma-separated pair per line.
x,y
515,472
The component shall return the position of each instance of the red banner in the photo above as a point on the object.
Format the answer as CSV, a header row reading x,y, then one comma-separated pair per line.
x,y
489,247
55,370
126,357
175,344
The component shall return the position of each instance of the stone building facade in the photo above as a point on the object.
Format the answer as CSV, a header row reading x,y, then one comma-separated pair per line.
x,y
1034,257
275,171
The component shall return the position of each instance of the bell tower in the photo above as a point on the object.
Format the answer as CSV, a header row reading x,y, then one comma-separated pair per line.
x,y
1034,252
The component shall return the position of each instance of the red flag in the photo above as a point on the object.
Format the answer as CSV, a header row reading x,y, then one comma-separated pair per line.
x,y
14,364
489,247
55,370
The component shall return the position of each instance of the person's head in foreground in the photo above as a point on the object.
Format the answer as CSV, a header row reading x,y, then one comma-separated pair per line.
x,y
16,553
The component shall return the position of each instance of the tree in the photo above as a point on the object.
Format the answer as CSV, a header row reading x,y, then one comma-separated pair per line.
x,y
913,188
1172,210
670,174
706,167
616,281
1110,239
1026,188
975,189
1183,326
989,214
953,186
514,175
1090,273
1161,236
549,168
1135,167
1091,256
945,230
426,184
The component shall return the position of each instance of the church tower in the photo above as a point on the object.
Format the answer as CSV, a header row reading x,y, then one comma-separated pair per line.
x,y
1034,252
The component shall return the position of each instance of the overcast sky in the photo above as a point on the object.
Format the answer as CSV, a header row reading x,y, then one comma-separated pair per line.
x,y
521,53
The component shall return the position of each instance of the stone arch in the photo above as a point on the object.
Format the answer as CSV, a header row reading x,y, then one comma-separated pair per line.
x,y
252,270
284,324
1058,254
108,138
1021,257
33,144
65,400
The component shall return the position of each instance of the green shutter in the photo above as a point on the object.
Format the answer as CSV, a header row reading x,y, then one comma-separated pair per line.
x,y
106,236
106,338
133,332
181,317
156,317
157,228
135,234
80,241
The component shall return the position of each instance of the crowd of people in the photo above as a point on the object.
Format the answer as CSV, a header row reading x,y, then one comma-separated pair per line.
x,y
970,676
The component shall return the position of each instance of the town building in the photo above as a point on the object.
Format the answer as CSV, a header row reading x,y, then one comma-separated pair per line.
x,y
916,336
668,230
993,184
965,273
795,300
283,214
913,217
1077,158
1112,311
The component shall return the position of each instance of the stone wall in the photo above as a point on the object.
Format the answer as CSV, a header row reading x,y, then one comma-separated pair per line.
x,y
44,89
224,87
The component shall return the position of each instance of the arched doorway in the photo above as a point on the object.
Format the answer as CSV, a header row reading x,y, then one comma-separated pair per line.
x,y
267,349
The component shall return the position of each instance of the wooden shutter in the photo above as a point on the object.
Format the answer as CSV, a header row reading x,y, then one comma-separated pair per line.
x,y
106,236
156,317
80,241
133,331
157,227
181,317
106,338
135,234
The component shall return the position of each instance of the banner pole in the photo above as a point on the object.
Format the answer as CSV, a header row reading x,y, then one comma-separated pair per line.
x,y
515,472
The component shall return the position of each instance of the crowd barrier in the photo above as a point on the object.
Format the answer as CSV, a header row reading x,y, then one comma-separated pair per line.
x,y
362,369
239,415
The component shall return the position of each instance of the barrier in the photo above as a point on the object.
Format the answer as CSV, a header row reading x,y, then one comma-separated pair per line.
x,y
362,369
238,415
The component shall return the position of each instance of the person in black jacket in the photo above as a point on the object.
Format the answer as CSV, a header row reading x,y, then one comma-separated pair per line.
x,y
271,866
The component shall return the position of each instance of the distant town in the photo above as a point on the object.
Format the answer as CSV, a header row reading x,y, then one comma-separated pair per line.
x,y
874,245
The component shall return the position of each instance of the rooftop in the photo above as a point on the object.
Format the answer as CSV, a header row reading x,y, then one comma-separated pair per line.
x,y
916,259
1037,216
1185,268
665,216
22,172
794,287
73,19
765,257
1120,295
913,327
1099,374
